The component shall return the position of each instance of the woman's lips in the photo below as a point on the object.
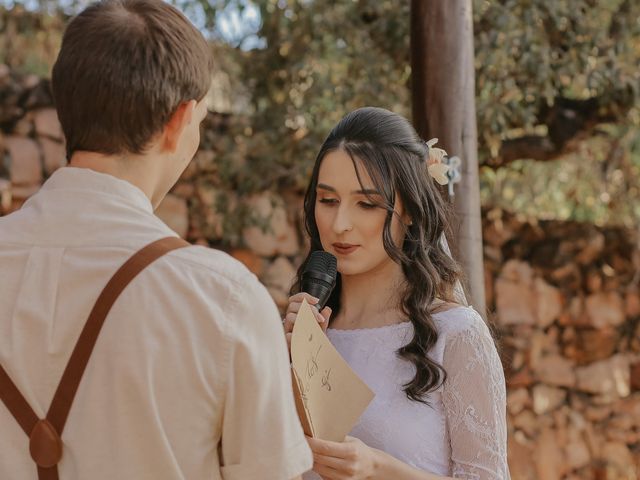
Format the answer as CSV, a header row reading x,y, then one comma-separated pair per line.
x,y
344,248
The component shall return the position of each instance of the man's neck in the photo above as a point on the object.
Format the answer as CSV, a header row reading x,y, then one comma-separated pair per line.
x,y
135,169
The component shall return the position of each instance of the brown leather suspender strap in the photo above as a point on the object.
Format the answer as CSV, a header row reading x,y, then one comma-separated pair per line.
x,y
44,434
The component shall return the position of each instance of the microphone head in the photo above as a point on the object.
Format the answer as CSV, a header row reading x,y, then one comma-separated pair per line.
x,y
324,262
319,276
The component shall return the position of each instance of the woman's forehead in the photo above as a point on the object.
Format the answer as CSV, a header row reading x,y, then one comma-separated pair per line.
x,y
338,171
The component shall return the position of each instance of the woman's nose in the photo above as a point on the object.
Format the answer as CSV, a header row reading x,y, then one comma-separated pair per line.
x,y
342,221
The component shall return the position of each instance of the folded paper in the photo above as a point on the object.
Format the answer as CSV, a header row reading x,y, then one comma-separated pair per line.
x,y
330,397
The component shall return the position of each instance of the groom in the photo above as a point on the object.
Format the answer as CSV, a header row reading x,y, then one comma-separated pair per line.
x,y
189,375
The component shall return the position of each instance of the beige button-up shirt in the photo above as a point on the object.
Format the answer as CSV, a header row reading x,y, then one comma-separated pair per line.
x,y
189,378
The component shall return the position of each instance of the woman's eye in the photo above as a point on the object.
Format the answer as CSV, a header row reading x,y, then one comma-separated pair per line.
x,y
328,201
367,206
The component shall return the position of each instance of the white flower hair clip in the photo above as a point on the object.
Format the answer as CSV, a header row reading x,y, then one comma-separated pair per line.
x,y
444,169
435,163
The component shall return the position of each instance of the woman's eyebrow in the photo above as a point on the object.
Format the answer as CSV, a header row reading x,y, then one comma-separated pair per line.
x,y
323,186
366,191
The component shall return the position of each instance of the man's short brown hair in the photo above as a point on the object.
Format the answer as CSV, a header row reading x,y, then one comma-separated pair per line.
x,y
123,69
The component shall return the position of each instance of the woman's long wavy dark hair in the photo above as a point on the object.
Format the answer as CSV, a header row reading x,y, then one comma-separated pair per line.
x,y
394,156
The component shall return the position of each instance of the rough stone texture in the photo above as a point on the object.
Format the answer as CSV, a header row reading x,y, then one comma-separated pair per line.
x,y
548,457
281,236
521,464
549,303
5,196
546,398
518,400
515,303
174,212
515,298
20,193
53,153
523,298
47,124
25,167
619,460
605,309
279,275
632,303
555,370
527,422
24,126
594,246
211,224
577,454
521,379
634,380
609,377
588,345
252,261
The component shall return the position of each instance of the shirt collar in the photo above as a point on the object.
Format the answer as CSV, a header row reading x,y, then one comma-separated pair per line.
x,y
90,181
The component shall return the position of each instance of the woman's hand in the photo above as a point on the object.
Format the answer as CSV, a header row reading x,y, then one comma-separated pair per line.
x,y
295,302
351,459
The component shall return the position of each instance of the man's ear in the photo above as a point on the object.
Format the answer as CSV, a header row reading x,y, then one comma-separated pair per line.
x,y
176,125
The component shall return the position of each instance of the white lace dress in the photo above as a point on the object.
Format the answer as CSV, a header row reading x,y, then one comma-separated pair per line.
x,y
463,432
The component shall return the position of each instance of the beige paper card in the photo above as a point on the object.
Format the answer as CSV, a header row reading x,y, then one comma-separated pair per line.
x,y
330,397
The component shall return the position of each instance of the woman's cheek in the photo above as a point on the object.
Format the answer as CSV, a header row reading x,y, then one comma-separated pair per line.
x,y
322,222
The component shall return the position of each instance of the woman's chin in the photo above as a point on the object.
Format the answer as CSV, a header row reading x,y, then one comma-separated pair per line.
x,y
349,270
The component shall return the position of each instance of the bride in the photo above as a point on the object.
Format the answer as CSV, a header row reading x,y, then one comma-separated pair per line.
x,y
396,315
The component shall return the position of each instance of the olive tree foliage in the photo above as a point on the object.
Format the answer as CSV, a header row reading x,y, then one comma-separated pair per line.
x,y
318,63
560,82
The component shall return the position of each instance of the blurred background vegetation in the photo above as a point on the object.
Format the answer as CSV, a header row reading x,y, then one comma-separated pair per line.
x,y
557,90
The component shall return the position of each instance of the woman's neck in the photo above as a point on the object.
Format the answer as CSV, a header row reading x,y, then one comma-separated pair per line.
x,y
371,299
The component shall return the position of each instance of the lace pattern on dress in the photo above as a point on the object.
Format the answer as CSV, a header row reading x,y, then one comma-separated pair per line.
x,y
474,399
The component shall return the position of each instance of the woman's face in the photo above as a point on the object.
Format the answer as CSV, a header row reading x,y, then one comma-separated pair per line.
x,y
349,224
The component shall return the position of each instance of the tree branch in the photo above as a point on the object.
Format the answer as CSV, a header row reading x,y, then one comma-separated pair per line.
x,y
567,122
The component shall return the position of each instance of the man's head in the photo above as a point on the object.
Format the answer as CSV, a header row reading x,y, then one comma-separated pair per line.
x,y
125,70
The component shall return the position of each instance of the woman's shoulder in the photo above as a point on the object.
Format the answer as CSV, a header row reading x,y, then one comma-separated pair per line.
x,y
458,325
453,319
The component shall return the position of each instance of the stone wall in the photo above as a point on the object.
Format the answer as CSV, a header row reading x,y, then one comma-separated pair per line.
x,y
564,295
567,305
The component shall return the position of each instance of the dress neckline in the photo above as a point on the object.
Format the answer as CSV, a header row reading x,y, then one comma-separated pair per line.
x,y
392,326
369,329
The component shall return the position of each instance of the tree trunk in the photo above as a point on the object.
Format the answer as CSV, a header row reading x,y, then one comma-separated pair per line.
x,y
443,85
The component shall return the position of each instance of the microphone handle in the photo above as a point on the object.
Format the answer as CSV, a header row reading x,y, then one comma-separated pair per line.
x,y
319,289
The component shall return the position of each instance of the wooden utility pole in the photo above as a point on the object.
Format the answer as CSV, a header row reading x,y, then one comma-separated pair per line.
x,y
443,86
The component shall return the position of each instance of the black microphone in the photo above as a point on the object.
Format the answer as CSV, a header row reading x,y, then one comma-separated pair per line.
x,y
319,277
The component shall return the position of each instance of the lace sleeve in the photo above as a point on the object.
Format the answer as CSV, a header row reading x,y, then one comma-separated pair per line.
x,y
474,399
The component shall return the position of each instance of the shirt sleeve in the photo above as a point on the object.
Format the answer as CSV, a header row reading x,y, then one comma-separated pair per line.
x,y
474,398
261,433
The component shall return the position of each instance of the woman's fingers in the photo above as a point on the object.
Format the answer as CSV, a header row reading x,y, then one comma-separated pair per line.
x,y
328,448
325,315
321,318
332,462
298,297
295,302
327,473
288,322
294,307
